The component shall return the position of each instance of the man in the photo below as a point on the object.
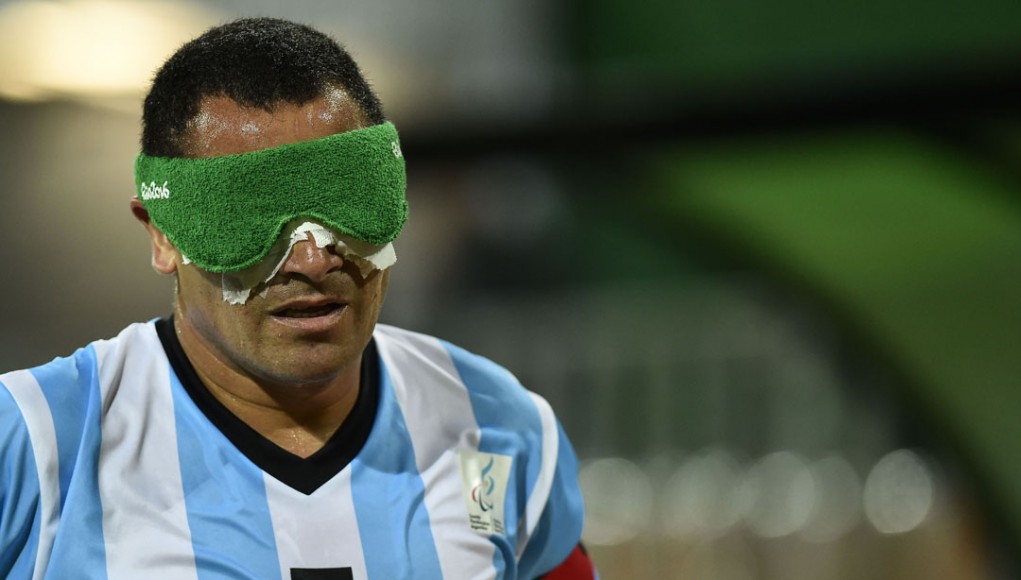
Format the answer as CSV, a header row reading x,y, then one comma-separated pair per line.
x,y
270,428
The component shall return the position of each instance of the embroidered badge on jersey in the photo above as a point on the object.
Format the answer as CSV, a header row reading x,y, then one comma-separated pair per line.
x,y
484,479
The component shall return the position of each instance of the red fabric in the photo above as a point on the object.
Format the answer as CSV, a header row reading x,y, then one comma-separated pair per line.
x,y
577,566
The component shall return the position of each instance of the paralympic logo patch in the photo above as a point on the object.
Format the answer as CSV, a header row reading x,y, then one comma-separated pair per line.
x,y
484,478
484,490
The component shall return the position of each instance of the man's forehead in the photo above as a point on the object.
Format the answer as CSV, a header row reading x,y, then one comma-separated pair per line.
x,y
223,126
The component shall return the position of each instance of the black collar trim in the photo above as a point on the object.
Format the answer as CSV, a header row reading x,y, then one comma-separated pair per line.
x,y
303,474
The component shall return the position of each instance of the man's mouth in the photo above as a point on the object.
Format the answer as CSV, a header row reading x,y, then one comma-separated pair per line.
x,y
308,311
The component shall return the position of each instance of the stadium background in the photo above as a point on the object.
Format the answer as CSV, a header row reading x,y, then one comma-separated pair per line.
x,y
764,259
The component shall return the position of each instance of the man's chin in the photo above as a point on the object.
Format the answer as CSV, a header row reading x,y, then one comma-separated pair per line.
x,y
309,372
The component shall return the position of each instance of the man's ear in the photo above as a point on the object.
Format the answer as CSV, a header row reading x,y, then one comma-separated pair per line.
x,y
165,256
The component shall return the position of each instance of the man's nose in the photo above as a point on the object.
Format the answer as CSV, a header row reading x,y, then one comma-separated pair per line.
x,y
309,260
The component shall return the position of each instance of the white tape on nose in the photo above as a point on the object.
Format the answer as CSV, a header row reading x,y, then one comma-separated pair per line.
x,y
238,286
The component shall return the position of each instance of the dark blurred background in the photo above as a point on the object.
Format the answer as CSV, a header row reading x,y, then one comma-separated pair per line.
x,y
763,258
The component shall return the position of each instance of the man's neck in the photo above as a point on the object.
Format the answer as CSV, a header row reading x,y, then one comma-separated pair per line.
x,y
299,418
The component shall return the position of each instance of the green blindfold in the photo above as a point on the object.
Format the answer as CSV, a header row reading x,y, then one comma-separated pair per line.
x,y
224,213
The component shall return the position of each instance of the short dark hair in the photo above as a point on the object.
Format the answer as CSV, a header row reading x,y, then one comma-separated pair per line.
x,y
256,62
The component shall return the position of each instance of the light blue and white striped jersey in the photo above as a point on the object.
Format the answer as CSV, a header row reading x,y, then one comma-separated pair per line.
x,y
112,467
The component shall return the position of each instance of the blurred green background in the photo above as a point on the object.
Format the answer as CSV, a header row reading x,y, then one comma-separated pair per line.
x,y
763,259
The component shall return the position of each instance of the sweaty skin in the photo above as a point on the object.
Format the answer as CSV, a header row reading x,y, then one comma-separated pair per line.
x,y
287,362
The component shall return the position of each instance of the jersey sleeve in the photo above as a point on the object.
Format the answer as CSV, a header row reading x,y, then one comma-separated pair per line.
x,y
19,492
577,566
544,508
558,532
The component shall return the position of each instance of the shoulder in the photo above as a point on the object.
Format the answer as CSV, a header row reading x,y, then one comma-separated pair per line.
x,y
52,397
491,387
40,388
457,390
60,378
50,422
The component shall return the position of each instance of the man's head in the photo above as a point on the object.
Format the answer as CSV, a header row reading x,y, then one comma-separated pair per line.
x,y
255,62
249,86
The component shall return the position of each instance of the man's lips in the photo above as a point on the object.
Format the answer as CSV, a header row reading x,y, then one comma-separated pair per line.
x,y
308,308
